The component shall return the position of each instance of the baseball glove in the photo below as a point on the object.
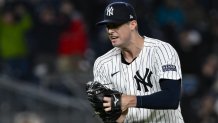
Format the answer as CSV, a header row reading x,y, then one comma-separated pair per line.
x,y
96,91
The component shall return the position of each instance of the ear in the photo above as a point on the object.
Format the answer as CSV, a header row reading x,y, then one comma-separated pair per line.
x,y
133,24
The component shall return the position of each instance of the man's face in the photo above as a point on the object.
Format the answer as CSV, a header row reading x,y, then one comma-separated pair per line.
x,y
119,34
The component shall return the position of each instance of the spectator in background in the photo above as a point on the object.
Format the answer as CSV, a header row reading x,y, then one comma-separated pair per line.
x,y
213,33
189,49
208,74
170,13
194,14
44,40
170,18
73,41
15,21
206,111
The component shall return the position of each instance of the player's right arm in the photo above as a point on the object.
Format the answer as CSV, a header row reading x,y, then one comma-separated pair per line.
x,y
100,73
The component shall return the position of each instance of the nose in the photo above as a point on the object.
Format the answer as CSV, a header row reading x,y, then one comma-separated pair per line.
x,y
110,31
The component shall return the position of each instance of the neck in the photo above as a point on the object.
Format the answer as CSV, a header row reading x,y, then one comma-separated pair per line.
x,y
133,49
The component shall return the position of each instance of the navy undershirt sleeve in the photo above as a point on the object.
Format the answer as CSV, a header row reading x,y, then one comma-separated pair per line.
x,y
167,98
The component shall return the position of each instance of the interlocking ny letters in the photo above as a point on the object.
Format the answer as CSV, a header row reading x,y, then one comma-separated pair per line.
x,y
143,81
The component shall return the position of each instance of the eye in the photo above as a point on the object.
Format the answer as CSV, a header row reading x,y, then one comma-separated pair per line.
x,y
113,26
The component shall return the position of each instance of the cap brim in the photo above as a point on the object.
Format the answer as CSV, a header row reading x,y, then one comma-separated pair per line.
x,y
104,22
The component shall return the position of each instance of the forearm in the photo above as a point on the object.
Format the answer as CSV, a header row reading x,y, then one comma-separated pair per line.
x,y
159,100
167,98
128,101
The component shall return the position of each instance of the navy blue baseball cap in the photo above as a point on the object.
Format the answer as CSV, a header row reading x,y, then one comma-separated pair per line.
x,y
118,13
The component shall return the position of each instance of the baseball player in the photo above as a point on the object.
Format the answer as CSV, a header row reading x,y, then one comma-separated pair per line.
x,y
147,71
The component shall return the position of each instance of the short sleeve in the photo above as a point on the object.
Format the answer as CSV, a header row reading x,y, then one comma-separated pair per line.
x,y
167,62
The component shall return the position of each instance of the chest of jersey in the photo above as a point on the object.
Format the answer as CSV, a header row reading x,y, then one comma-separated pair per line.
x,y
137,78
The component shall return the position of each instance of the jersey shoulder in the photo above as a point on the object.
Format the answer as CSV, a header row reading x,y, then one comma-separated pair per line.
x,y
157,44
108,56
152,42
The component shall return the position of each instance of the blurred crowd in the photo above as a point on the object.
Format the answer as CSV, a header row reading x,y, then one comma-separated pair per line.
x,y
41,38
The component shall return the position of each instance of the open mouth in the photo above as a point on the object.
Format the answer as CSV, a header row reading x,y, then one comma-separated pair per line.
x,y
113,37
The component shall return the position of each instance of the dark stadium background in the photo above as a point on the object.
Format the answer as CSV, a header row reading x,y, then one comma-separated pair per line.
x,y
48,47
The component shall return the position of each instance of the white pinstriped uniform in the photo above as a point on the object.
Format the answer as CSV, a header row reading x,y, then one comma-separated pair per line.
x,y
155,54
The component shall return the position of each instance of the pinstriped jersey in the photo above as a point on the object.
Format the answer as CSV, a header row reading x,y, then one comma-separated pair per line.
x,y
157,60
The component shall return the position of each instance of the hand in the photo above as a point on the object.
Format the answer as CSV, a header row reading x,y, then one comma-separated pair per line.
x,y
126,102
107,103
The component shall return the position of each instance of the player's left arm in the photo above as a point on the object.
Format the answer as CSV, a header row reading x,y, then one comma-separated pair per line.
x,y
167,98
167,65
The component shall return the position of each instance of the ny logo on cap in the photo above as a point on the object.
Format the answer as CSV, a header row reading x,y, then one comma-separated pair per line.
x,y
130,17
110,11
